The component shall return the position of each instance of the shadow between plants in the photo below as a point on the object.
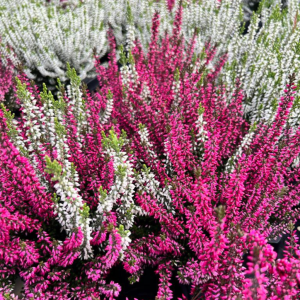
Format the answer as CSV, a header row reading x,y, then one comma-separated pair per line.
x,y
147,287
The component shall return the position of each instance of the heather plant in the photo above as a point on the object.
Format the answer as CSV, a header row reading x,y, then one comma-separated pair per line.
x,y
47,34
46,37
158,168
269,278
6,83
264,57
214,187
57,215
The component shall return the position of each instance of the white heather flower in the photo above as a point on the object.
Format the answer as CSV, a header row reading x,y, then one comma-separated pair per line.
x,y
146,182
122,190
108,111
247,139
46,36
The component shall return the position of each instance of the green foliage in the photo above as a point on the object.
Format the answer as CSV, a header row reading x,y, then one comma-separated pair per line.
x,y
109,95
73,170
130,58
177,75
133,279
112,141
122,231
55,198
54,168
12,131
202,80
72,75
59,128
85,211
46,97
103,195
121,171
146,169
129,14
22,92
60,104
141,126
200,109
253,127
123,59
274,104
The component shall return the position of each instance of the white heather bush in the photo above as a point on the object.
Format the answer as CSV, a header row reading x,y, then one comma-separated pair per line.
x,y
45,36
264,58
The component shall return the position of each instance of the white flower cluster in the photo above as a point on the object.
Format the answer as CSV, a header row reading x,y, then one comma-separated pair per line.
x,y
71,206
31,145
47,36
46,134
69,210
130,36
122,191
144,136
77,106
48,121
264,58
216,21
145,94
104,117
146,182
128,71
129,75
247,139
125,241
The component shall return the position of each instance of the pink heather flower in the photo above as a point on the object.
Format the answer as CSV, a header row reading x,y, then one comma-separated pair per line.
x,y
170,4
223,177
6,78
191,187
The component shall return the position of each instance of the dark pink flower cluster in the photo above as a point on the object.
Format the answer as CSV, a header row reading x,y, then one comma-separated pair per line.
x,y
31,242
6,79
223,185
50,258
158,167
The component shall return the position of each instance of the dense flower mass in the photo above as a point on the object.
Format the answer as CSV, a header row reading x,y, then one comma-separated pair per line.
x,y
159,167
46,34
6,82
